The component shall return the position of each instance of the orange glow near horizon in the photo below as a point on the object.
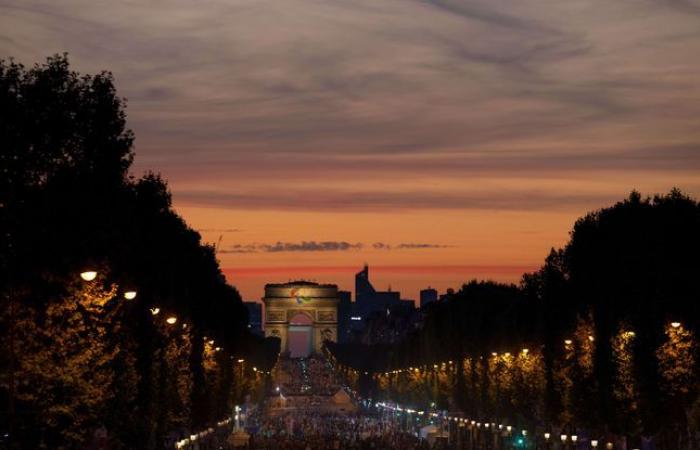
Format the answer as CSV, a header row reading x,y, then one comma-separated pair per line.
x,y
499,246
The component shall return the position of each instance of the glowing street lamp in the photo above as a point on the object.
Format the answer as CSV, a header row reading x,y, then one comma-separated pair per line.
x,y
130,295
155,311
594,443
171,320
240,361
88,275
568,342
675,324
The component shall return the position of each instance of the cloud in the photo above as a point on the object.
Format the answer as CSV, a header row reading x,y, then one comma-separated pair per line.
x,y
239,248
322,246
403,246
331,200
304,246
310,246
272,92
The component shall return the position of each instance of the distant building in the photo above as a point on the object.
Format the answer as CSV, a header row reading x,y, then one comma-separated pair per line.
x,y
254,317
379,316
344,315
368,299
428,296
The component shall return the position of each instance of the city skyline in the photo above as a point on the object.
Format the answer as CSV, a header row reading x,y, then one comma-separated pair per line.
x,y
465,137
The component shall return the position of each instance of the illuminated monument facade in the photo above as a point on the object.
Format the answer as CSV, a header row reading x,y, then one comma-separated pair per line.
x,y
302,307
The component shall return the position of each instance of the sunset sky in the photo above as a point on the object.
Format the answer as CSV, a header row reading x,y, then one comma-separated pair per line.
x,y
437,141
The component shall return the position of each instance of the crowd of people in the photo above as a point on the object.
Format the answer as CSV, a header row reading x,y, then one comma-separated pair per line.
x,y
298,417
320,431
306,376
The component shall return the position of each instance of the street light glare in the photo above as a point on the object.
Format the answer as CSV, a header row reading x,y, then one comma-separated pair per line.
x,y
675,324
130,295
88,275
155,311
171,320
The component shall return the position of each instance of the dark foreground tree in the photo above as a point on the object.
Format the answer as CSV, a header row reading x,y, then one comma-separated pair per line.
x,y
602,339
78,355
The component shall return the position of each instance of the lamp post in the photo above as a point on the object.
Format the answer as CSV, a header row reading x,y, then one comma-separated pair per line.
x,y
547,435
563,441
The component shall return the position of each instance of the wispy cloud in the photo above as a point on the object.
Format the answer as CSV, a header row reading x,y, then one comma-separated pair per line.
x,y
408,245
329,200
304,246
324,246
310,246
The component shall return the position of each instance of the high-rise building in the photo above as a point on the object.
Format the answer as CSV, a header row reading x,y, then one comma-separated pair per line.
x,y
428,296
368,299
344,314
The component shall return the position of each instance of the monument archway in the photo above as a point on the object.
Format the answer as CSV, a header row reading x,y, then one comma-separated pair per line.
x,y
316,302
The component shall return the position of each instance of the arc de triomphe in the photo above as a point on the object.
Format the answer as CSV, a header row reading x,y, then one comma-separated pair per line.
x,y
318,302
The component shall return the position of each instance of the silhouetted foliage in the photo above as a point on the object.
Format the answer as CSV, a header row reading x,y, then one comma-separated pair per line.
x,y
603,337
79,354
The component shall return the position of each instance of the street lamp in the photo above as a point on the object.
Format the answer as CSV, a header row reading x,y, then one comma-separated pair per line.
x,y
130,295
594,443
675,324
88,275
155,311
171,320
